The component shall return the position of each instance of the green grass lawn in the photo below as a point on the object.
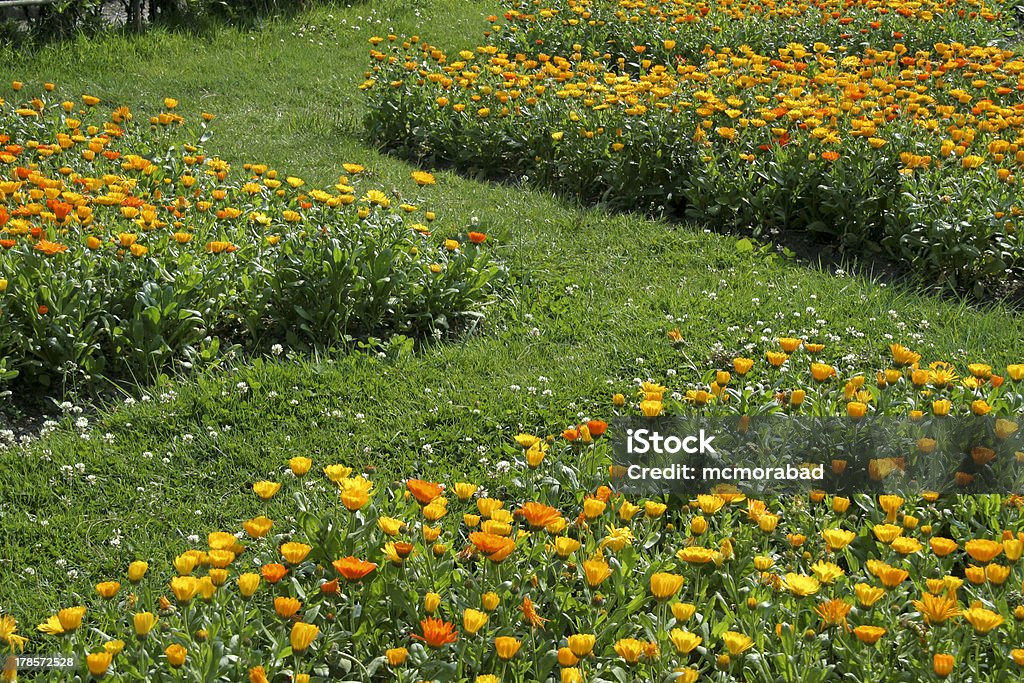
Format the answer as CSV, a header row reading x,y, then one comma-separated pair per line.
x,y
593,298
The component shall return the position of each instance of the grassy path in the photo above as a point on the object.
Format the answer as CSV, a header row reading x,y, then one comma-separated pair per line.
x,y
595,296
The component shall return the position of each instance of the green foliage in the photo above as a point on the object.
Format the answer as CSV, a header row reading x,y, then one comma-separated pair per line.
x,y
242,12
852,141
596,294
121,264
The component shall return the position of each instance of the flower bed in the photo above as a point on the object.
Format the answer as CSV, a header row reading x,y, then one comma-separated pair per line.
x,y
669,30
123,247
913,152
550,574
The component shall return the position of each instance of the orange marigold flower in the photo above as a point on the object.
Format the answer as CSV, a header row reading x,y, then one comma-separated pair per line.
x,y
437,632
538,515
50,248
273,572
497,548
530,614
423,491
352,568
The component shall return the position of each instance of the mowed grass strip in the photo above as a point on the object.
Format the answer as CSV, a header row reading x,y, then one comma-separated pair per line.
x,y
594,298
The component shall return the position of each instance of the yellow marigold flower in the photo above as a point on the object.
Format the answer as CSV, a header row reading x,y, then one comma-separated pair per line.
x,y
886,533
665,585
684,641
98,663
397,656
300,465
867,594
682,611
286,607
650,408
565,546
983,550
742,365
833,612
488,506
869,634
473,620
905,545
696,554
490,601
630,649
248,583
596,570
983,620
942,546
70,618
798,584
826,572
935,609
709,504
266,489
464,491
1005,428
506,646
376,197
790,344
593,508
355,492
176,655
736,643
302,635
628,510
184,588
51,626
687,675
890,504
137,570
942,664
294,553
856,409
891,576
337,473
108,589
8,633
258,527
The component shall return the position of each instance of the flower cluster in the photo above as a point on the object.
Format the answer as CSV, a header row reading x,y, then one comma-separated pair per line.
x,y
870,148
671,29
555,574
123,246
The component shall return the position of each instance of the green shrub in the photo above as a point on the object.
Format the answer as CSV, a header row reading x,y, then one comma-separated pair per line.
x,y
114,264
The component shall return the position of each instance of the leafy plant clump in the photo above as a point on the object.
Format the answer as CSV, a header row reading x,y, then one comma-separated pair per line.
x,y
550,571
124,247
881,141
